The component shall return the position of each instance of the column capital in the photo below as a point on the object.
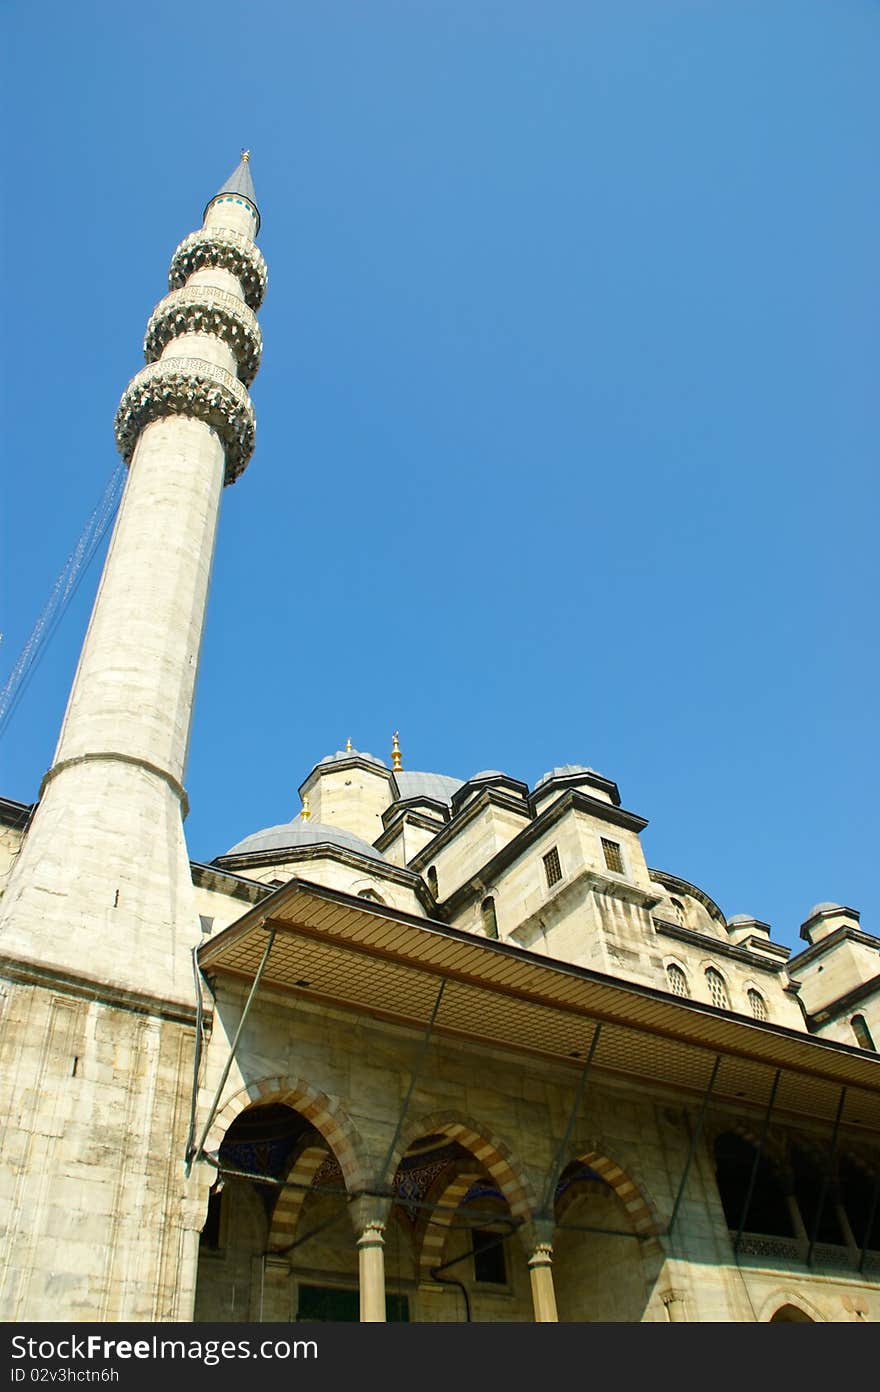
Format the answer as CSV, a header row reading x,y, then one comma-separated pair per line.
x,y
369,1216
537,1236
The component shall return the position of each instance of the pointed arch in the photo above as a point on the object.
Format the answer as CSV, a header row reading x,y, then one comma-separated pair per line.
x,y
285,1219
325,1114
639,1205
447,1193
775,1309
493,1153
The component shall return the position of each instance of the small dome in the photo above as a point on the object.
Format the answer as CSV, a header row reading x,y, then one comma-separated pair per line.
x,y
434,787
825,907
486,773
349,754
564,771
291,835
740,918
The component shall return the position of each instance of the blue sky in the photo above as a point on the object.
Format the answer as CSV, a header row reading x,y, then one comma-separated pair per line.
x,y
567,419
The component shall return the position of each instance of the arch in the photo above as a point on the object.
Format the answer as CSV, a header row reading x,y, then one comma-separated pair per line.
x,y
717,987
798,1309
324,1113
285,1219
638,1204
677,978
494,1154
447,1192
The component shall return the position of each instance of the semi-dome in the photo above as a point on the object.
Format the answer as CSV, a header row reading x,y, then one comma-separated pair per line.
x,y
298,833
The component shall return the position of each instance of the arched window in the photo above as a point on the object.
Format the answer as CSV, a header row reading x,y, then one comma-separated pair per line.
x,y
432,880
371,895
758,1004
490,919
677,980
678,910
717,988
861,1032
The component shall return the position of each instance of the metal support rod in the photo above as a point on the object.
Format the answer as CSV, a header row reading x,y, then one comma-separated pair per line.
x,y
412,1082
756,1162
872,1213
556,1168
695,1139
827,1180
191,1160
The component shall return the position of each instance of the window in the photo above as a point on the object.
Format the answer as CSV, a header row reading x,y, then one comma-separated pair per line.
x,y
758,1004
677,980
432,880
678,911
490,920
371,895
861,1032
489,1263
552,867
613,858
717,988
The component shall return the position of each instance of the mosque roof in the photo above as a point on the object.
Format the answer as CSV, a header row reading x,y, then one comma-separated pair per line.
x,y
241,184
436,787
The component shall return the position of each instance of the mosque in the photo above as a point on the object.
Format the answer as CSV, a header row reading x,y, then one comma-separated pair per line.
x,y
433,1050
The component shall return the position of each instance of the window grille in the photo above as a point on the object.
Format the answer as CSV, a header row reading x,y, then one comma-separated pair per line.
x,y
717,989
677,980
613,858
758,1004
678,910
552,867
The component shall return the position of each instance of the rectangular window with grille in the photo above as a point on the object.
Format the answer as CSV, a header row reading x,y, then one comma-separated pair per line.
x,y
613,858
552,867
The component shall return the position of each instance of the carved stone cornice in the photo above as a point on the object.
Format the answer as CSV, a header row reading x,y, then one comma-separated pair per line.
x,y
231,251
208,310
189,387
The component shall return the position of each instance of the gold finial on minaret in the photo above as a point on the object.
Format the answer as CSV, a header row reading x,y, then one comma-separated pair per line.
x,y
396,756
306,808
245,156
348,746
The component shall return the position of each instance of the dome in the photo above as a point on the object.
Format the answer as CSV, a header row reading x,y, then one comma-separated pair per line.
x,y
486,773
349,754
825,907
740,918
293,835
565,771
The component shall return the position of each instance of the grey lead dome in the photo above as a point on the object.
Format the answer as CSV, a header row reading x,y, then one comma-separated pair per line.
x,y
291,835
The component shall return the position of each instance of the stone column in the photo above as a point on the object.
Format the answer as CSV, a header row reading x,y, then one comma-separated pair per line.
x,y
540,1243
369,1217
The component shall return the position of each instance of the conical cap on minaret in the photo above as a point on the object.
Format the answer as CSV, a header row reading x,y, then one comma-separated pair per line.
x,y
240,185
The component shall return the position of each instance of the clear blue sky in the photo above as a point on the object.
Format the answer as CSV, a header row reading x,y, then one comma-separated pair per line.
x,y
568,415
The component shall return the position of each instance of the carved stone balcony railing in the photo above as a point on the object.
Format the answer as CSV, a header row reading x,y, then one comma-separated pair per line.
x,y
231,251
762,1248
189,387
209,310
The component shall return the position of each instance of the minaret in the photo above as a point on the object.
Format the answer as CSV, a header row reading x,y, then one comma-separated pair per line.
x,y
102,888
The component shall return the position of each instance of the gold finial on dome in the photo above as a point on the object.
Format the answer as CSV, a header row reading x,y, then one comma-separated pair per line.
x,y
306,808
348,746
396,756
245,156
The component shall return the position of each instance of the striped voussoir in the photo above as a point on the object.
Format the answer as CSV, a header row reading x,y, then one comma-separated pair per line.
x,y
494,1154
285,1219
325,1114
639,1208
446,1193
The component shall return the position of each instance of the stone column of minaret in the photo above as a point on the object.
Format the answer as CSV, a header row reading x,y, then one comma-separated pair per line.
x,y
102,886
98,921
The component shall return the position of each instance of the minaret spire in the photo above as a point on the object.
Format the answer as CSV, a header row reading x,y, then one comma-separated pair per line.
x,y
240,184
